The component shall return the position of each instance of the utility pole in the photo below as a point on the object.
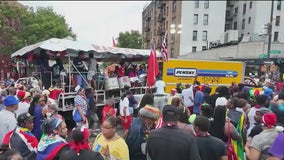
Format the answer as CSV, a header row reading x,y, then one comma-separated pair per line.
x,y
269,30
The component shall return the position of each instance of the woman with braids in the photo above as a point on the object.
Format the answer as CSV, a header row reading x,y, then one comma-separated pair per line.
x,y
37,110
109,143
80,148
220,125
52,143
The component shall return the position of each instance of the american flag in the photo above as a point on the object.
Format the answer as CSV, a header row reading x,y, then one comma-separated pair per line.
x,y
164,48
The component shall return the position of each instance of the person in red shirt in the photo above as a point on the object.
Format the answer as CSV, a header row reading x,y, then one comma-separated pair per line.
x,y
279,85
121,70
108,110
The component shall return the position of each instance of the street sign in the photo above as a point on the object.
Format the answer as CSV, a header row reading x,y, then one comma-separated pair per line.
x,y
264,55
275,52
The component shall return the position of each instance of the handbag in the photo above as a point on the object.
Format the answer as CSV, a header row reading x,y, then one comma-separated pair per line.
x,y
230,150
77,116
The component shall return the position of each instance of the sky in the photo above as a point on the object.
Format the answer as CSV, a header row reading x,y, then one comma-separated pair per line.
x,y
96,22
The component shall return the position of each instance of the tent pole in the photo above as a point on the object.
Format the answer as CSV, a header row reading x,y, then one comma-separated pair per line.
x,y
69,68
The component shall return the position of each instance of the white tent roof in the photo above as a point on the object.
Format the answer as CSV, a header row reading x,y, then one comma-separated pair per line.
x,y
59,45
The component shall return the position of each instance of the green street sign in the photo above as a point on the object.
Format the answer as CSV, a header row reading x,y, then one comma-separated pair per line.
x,y
275,52
264,55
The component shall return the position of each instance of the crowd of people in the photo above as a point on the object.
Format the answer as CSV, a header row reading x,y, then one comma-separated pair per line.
x,y
236,122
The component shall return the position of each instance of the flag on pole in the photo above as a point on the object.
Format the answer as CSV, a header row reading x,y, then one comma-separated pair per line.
x,y
164,50
113,42
153,68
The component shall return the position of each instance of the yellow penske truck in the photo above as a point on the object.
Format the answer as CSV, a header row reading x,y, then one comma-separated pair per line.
x,y
212,73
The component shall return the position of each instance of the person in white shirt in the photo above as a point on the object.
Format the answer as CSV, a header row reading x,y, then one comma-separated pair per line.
x,y
124,112
160,86
222,96
188,97
92,68
24,103
8,120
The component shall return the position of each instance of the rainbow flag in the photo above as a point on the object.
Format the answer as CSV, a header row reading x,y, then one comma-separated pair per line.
x,y
238,146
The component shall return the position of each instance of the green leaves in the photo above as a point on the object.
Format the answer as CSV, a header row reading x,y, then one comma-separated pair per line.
x,y
132,39
24,26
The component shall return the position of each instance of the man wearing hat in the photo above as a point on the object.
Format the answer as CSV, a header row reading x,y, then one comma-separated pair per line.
x,y
260,144
170,142
258,119
139,130
7,117
24,104
21,138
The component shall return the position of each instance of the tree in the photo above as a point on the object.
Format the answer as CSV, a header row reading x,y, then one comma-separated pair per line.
x,y
132,39
22,26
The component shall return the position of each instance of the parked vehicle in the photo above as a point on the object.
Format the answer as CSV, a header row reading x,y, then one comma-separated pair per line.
x,y
212,73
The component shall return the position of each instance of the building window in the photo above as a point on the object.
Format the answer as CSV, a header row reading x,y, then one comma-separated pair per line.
x,y
194,36
206,4
235,25
227,27
172,53
195,19
244,8
196,4
174,7
167,23
205,19
174,20
194,48
167,11
275,37
243,24
236,10
249,20
250,4
204,36
173,38
278,4
277,22
204,48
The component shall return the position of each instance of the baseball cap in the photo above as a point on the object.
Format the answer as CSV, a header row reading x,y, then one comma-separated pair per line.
x,y
23,94
10,101
170,110
78,88
45,92
25,117
269,119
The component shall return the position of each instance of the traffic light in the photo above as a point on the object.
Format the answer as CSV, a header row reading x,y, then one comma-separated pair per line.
x,y
268,27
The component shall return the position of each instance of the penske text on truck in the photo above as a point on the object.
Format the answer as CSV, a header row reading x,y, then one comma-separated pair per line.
x,y
212,73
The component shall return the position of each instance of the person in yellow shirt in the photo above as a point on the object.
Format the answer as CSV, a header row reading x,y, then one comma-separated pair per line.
x,y
171,96
110,144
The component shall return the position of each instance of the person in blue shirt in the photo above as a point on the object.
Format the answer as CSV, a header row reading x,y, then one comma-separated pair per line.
x,y
198,99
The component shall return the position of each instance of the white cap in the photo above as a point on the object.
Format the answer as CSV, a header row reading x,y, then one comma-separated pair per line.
x,y
77,88
46,92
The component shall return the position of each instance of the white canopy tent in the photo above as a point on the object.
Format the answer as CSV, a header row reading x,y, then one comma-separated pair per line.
x,y
72,48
